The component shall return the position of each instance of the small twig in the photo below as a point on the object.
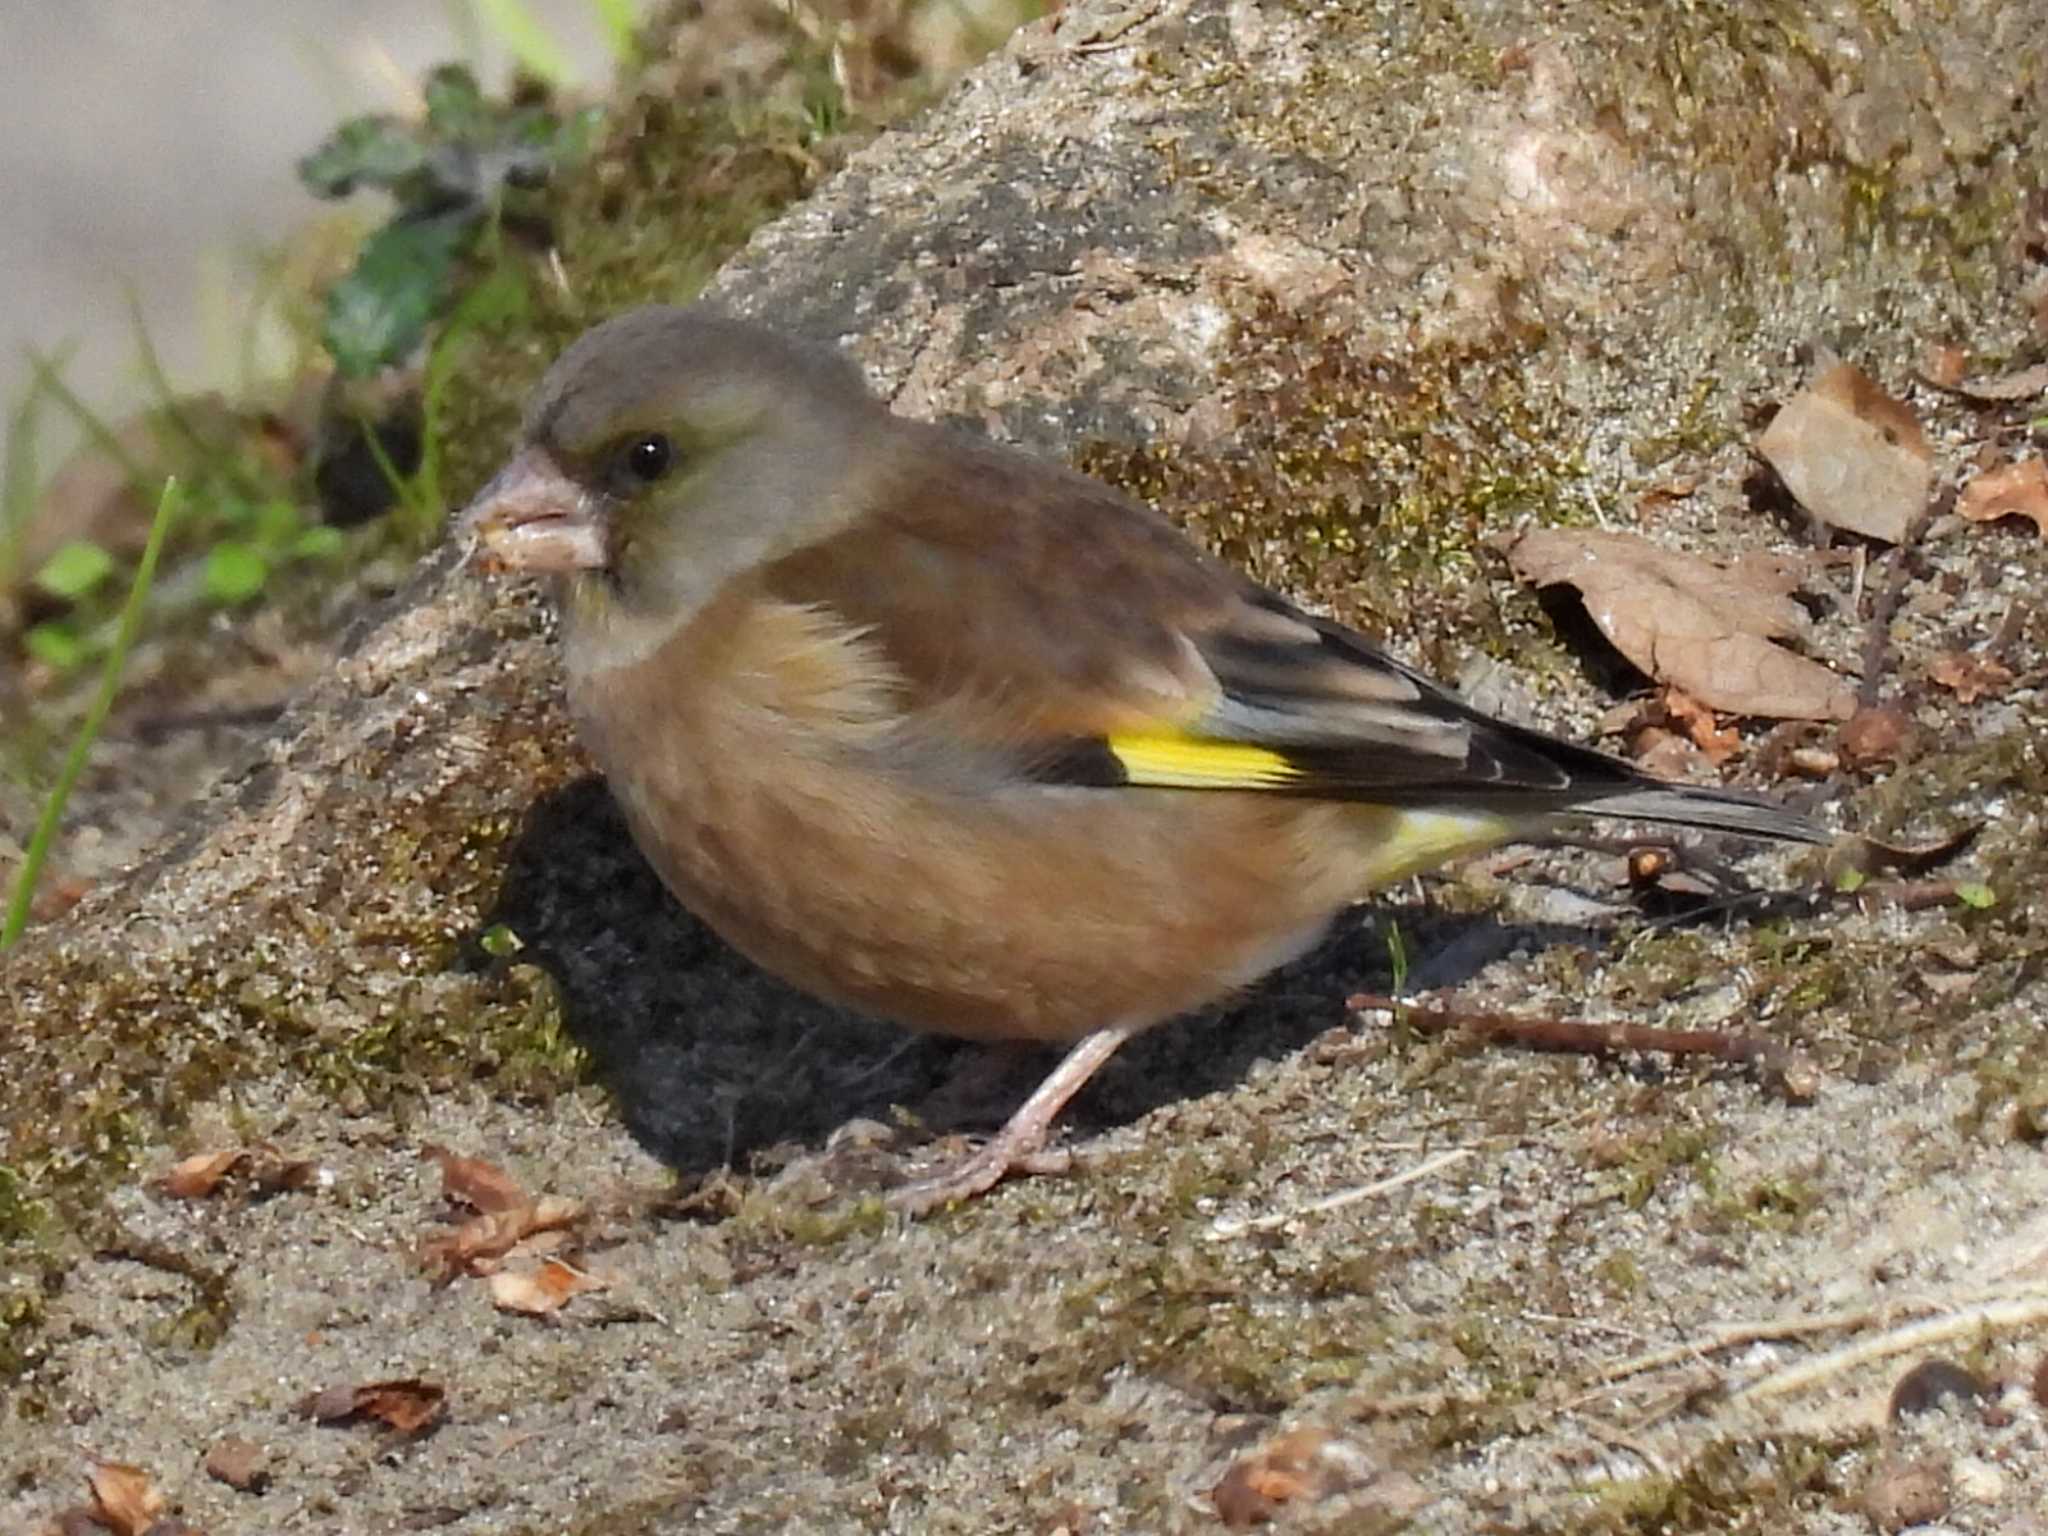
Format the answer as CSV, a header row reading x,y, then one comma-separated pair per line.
x,y
1725,1336
1619,1439
1877,647
2009,630
1223,1230
1771,1057
1907,895
2019,1311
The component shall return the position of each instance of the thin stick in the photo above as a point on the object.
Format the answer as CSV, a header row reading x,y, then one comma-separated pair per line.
x,y
1581,1036
2017,1312
95,716
1721,1336
1224,1230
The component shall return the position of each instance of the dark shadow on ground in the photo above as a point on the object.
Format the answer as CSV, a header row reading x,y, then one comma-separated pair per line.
x,y
715,1063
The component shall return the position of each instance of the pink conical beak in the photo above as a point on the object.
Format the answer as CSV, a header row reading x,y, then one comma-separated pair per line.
x,y
533,518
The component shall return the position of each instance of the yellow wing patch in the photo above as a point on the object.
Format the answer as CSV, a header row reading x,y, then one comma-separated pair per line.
x,y
1170,760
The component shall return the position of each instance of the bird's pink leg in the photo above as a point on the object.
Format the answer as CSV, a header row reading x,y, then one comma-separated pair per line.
x,y
1019,1147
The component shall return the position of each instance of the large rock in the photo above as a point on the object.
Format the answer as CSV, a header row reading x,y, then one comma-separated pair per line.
x,y
1348,290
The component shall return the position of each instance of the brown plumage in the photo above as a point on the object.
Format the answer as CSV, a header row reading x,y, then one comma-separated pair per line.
x,y
957,737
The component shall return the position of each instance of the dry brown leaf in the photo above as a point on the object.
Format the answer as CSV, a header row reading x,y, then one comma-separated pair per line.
x,y
1704,627
1664,753
478,1244
1716,742
1852,455
408,1404
543,1290
239,1463
1877,733
2011,490
1665,493
1970,675
1943,364
123,1498
1301,1466
1998,388
197,1176
477,1183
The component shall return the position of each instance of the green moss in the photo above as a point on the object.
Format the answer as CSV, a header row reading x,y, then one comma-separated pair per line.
x,y
1620,1273
22,1217
1779,1203
1686,1149
1230,1328
22,1310
1371,484
1705,424
1750,1488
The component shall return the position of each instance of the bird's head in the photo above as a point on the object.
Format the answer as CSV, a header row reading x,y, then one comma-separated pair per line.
x,y
667,452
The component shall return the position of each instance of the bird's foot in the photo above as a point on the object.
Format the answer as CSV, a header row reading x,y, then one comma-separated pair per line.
x,y
1019,1147
978,1173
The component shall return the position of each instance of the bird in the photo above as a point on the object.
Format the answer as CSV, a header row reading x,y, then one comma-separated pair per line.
x,y
950,734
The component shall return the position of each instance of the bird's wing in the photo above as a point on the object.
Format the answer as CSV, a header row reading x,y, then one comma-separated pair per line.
x,y
1085,633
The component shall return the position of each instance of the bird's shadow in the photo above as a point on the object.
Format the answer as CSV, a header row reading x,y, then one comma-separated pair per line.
x,y
714,1063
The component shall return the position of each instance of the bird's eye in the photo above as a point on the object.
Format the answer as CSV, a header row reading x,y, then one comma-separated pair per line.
x,y
647,457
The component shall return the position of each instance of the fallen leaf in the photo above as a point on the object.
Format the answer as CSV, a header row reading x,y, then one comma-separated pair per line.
x,y
543,1290
239,1463
475,1246
1875,734
476,1182
1853,456
1664,753
1701,626
1665,493
2011,490
408,1404
1943,364
197,1176
1997,388
1299,1467
1970,675
124,1499
1715,741
270,1171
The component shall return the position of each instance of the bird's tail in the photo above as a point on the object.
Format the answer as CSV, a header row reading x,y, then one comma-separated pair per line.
x,y
1712,810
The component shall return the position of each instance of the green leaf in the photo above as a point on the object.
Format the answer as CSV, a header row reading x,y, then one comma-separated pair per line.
x,y
320,542
1850,881
374,151
55,644
577,136
75,570
235,572
377,314
498,941
276,523
455,103
1974,893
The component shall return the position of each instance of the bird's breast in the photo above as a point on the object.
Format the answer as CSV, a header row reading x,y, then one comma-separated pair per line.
x,y
760,759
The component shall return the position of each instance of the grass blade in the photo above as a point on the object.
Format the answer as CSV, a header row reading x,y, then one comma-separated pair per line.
x,y
38,850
